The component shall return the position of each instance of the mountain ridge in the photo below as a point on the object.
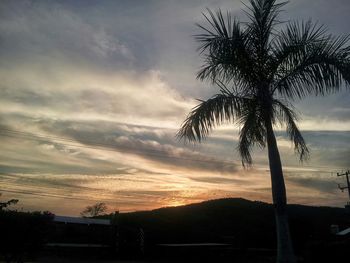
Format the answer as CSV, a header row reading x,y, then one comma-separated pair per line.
x,y
237,221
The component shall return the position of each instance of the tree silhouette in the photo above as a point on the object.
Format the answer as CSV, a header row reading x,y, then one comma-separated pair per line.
x,y
94,210
7,203
258,71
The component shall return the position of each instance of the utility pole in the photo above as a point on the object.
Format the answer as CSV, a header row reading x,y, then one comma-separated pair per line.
x,y
342,188
347,173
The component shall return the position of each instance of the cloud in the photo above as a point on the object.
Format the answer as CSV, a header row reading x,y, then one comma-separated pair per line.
x,y
35,29
122,96
326,185
217,180
100,145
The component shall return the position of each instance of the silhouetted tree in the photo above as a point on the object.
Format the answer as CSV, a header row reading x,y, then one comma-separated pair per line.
x,y
94,210
258,71
7,203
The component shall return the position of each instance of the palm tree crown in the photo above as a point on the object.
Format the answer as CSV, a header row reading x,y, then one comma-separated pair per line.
x,y
259,70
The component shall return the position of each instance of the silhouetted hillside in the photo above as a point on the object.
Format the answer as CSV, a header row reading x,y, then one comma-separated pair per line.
x,y
237,221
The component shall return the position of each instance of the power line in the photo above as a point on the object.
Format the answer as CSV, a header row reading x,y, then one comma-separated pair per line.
x,y
50,190
51,195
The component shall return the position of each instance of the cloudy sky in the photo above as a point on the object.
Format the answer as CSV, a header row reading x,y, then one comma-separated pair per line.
x,y
93,92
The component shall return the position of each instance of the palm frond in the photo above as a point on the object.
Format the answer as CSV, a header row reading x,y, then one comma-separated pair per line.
x,y
308,61
293,40
301,60
223,46
287,116
263,17
224,107
253,131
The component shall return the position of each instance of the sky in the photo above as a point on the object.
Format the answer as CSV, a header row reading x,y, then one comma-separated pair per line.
x,y
92,94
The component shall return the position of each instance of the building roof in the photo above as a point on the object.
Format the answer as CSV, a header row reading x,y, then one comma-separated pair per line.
x,y
81,220
195,245
344,232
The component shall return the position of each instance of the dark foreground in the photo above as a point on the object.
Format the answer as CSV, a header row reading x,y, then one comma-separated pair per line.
x,y
226,230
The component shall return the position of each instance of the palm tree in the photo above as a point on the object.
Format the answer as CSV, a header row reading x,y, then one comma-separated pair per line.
x,y
259,71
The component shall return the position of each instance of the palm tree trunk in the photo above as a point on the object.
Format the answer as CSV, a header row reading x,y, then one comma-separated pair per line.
x,y
285,252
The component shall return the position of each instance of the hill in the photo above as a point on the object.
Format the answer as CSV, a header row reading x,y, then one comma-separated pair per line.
x,y
237,221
